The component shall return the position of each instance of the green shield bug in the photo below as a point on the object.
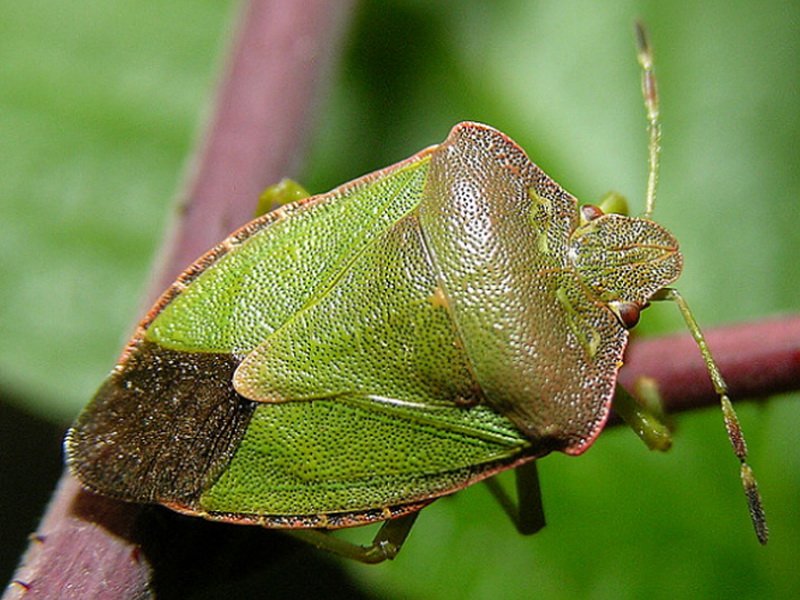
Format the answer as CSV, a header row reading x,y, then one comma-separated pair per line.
x,y
351,357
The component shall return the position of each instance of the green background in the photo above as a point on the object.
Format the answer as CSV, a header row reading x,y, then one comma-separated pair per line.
x,y
100,104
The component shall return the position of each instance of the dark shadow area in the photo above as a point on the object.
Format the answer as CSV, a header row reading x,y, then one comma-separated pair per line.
x,y
30,465
198,559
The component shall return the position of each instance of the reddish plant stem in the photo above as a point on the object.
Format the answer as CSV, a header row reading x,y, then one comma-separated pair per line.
x,y
757,360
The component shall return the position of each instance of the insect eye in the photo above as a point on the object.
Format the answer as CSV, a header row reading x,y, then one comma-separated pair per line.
x,y
590,212
628,313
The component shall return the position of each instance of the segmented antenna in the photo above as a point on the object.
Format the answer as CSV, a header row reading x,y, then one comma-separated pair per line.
x,y
650,93
735,434
644,53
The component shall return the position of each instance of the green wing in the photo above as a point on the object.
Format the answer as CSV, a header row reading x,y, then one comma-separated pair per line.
x,y
357,455
332,305
380,330
369,397
274,266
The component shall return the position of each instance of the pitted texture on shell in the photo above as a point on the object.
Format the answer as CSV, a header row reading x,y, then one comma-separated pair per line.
x,y
351,454
379,331
544,352
281,264
624,258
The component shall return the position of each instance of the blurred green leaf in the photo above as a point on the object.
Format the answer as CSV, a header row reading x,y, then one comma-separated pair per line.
x,y
97,109
98,103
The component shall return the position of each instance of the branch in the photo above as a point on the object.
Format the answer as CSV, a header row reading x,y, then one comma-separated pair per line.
x,y
758,360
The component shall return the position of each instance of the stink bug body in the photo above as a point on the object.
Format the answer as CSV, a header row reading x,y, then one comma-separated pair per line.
x,y
353,356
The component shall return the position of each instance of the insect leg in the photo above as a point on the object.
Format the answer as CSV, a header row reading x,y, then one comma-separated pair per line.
x,y
385,545
528,513
644,421
284,192
613,203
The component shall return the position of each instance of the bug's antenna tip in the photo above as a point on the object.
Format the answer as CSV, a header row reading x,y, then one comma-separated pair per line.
x,y
642,38
734,429
755,505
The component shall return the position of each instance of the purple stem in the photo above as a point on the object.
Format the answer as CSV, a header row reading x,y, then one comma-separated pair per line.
x,y
757,360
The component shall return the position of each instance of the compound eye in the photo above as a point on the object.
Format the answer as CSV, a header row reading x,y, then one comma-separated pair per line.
x,y
590,212
628,313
